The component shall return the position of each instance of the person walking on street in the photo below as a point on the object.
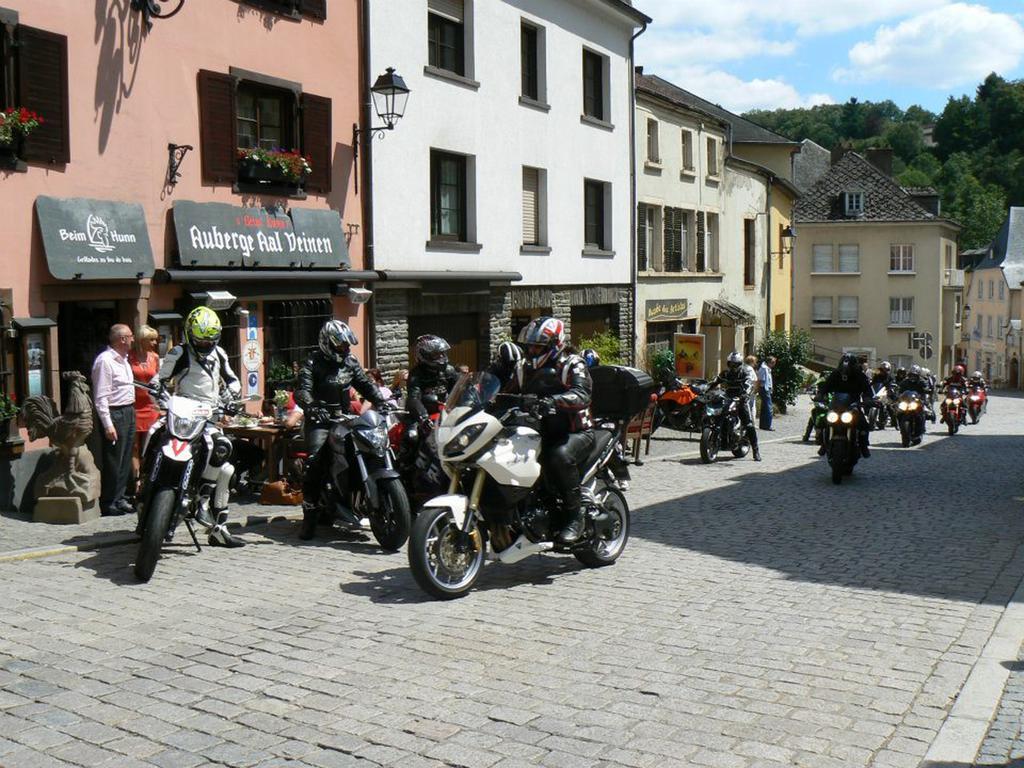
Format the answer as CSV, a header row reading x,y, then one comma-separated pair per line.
x,y
750,369
145,364
114,398
765,390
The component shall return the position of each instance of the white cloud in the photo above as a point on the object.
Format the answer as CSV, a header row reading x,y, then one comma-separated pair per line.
x,y
736,94
941,48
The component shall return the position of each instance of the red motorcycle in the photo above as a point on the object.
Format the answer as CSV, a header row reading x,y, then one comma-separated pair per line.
x,y
977,403
953,412
417,458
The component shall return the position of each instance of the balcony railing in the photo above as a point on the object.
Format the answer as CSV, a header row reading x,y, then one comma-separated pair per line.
x,y
953,278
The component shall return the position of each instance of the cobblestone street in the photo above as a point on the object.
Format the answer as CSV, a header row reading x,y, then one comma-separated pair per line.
x,y
760,616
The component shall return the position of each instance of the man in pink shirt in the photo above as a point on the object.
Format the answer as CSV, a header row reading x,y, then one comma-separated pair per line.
x,y
114,397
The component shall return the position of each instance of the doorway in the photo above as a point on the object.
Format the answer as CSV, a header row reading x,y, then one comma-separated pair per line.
x,y
83,331
462,332
590,321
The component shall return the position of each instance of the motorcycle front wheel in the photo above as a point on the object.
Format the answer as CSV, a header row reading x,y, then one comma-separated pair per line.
x,y
391,522
953,423
158,520
708,445
610,536
905,434
444,564
741,450
836,460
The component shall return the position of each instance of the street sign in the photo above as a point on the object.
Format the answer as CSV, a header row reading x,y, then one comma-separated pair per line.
x,y
922,342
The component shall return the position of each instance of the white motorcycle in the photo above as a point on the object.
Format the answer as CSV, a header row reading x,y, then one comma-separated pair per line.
x,y
489,447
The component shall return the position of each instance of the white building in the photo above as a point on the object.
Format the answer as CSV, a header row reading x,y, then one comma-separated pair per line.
x,y
513,159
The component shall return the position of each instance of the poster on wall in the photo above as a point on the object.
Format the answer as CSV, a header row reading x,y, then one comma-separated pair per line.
x,y
688,349
35,350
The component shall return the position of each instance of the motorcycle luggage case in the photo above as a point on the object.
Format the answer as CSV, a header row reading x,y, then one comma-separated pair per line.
x,y
620,392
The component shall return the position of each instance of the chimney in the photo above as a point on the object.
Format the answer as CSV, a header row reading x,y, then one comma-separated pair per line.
x,y
881,159
927,198
639,69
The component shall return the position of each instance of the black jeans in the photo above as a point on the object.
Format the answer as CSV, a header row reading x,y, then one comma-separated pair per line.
x,y
117,456
561,459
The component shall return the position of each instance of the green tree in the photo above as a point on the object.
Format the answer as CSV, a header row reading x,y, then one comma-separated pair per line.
x,y
906,140
791,350
607,346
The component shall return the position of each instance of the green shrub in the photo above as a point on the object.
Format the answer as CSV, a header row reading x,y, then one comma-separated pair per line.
x,y
662,359
607,346
791,350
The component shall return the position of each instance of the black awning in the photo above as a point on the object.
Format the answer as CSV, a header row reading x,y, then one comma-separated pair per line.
x,y
460,276
165,317
268,276
32,323
94,239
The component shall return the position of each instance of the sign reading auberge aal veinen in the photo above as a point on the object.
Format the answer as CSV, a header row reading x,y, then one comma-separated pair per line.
x,y
223,235
94,239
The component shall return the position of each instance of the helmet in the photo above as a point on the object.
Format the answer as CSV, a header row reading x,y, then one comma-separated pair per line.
x,y
976,375
544,339
590,357
885,365
335,339
432,351
509,354
202,331
959,369
847,364
901,371
915,370
734,361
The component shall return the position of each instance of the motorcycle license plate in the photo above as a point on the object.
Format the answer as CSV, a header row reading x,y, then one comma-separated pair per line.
x,y
177,450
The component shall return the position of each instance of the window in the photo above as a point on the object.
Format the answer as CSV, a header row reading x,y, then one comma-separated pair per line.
x,y
749,266
991,289
981,289
652,141
446,35
821,310
988,332
291,329
529,62
958,304
687,150
34,75
901,311
643,245
711,242
901,361
594,222
978,323
264,117
949,256
849,310
822,259
849,258
594,85
1002,290
977,361
534,206
648,235
999,327
901,258
448,207
853,203
712,157
675,239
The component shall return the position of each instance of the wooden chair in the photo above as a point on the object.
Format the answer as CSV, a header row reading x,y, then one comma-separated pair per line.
x,y
639,430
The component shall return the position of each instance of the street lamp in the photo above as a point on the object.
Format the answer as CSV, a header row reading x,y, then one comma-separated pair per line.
x,y
157,9
390,95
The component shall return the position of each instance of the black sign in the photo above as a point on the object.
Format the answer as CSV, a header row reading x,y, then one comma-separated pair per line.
x,y
222,235
94,239
666,310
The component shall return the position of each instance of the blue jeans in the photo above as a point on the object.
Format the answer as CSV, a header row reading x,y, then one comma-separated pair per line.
x,y
766,409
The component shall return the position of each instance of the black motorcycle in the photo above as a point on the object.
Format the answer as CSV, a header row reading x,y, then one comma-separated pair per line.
x,y
816,421
879,413
722,427
910,418
359,446
415,448
842,433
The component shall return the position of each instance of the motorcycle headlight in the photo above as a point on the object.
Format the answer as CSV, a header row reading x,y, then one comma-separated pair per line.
x,y
376,439
846,418
903,406
832,417
463,439
185,428
975,398
957,401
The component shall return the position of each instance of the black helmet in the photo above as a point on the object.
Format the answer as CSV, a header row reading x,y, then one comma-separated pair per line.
x,y
432,351
848,364
734,361
509,354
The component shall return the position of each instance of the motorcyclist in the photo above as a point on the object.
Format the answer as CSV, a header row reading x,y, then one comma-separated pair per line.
x,y
562,384
899,376
883,376
430,381
849,379
509,357
914,382
322,391
977,380
590,357
199,369
958,378
736,382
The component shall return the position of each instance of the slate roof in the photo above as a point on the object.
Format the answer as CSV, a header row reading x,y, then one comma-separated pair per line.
x,y
743,131
884,199
1007,250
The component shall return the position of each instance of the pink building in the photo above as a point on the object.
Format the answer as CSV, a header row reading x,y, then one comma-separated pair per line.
x,y
95,232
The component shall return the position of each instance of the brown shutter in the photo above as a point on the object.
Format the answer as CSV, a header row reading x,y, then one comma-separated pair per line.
x,y
218,131
317,142
641,237
43,88
315,9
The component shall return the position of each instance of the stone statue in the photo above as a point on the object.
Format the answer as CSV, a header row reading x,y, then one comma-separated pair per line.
x,y
73,475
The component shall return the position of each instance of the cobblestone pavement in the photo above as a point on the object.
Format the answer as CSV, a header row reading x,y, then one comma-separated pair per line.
x,y
759,617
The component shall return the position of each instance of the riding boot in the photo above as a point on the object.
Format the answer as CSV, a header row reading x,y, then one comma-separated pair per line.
x,y
865,451
310,512
572,506
220,536
752,437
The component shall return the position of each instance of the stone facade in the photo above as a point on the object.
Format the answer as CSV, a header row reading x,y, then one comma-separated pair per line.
x,y
391,325
500,314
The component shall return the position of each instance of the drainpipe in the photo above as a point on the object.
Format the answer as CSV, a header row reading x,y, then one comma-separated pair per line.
x,y
768,269
367,174
633,276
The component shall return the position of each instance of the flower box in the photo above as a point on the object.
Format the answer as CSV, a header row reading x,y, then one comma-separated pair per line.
x,y
253,172
11,152
275,167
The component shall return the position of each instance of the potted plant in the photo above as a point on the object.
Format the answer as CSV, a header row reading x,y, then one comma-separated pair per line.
x,y
16,123
279,377
8,412
272,166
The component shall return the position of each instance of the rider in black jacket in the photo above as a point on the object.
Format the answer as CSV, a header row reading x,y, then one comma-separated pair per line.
x,y
322,391
433,377
850,379
736,383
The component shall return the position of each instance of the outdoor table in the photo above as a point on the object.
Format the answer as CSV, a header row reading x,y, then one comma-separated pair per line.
x,y
270,436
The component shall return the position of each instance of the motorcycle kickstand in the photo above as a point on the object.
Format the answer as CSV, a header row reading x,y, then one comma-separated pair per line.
x,y
192,533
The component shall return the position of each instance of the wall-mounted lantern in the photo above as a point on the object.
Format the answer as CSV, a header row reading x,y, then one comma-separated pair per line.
x,y
390,96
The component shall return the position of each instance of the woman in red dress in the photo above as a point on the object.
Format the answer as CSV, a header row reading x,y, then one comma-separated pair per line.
x,y
145,363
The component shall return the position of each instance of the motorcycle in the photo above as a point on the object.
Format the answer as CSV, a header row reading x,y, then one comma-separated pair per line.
x,y
977,403
721,428
359,446
490,444
843,436
679,405
910,418
416,454
953,412
182,457
816,422
879,413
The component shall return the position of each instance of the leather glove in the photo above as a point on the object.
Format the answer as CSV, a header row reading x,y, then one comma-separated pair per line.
x,y
318,414
546,406
229,408
528,402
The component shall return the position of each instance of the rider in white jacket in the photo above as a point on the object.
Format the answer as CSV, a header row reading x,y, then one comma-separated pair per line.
x,y
199,369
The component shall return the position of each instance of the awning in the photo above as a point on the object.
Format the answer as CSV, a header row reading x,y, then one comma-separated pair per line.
x,y
32,323
94,239
464,276
263,276
722,312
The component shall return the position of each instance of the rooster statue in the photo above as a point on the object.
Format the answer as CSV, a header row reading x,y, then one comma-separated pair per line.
x,y
73,471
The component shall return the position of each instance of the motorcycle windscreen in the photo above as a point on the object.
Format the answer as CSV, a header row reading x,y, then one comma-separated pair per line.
x,y
471,393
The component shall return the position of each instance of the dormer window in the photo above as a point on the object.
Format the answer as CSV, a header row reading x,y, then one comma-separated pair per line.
x,y
853,203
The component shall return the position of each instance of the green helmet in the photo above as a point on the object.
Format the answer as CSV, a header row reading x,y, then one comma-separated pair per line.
x,y
202,330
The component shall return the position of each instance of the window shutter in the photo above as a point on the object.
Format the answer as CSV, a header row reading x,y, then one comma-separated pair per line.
x,y
673,240
43,88
314,9
450,9
849,258
218,132
530,184
317,141
823,261
641,237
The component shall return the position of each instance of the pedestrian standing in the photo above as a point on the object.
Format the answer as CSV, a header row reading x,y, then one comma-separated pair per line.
x,y
114,398
145,363
765,390
750,369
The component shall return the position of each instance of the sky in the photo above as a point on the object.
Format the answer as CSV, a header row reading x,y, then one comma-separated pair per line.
x,y
753,54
